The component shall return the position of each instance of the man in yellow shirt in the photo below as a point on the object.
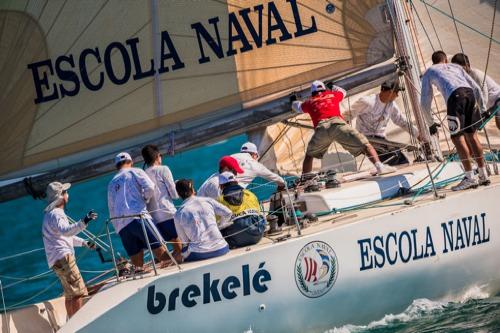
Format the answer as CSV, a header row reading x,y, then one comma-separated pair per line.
x,y
247,224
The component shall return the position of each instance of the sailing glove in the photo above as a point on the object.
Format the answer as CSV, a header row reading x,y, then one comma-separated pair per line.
x,y
90,244
433,129
91,215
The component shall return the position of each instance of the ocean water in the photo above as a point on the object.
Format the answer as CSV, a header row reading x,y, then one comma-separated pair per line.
x,y
20,231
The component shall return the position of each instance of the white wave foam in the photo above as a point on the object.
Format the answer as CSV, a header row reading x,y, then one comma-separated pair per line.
x,y
417,309
475,292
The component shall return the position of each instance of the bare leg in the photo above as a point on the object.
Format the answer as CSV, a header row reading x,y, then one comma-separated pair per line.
x,y
463,151
161,254
138,259
176,243
307,165
73,305
371,153
475,148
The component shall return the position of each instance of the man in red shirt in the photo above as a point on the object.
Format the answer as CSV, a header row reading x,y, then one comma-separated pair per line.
x,y
329,125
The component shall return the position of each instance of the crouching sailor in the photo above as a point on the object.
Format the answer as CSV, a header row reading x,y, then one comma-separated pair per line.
x,y
195,222
247,222
59,238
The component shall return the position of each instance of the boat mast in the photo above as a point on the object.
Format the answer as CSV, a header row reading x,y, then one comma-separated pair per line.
x,y
409,66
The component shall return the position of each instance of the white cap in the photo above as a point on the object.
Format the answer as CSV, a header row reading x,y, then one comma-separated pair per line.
x,y
123,156
317,86
54,194
249,147
226,177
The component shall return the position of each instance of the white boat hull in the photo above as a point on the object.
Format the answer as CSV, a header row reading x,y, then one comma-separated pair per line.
x,y
362,289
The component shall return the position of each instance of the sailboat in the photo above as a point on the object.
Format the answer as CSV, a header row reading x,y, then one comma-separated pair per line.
x,y
86,79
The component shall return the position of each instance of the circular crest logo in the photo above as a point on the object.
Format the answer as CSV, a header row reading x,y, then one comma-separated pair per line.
x,y
316,269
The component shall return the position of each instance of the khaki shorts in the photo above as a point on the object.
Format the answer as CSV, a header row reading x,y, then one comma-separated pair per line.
x,y
71,279
335,129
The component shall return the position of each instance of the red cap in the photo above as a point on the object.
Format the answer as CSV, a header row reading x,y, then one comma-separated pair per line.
x,y
231,163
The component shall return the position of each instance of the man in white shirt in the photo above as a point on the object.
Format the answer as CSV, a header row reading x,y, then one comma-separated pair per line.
x,y
128,194
490,89
196,225
461,94
59,239
373,113
210,188
248,159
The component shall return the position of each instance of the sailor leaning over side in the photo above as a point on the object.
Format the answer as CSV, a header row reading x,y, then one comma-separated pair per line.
x,y
195,222
161,206
490,89
247,224
373,113
248,160
461,94
128,193
59,239
210,188
329,126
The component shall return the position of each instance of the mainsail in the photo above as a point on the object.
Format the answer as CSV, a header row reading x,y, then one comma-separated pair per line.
x,y
82,79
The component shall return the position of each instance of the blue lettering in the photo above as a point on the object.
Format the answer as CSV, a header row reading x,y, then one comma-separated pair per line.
x,y
389,259
272,12
109,65
202,32
365,246
139,74
67,75
416,256
429,244
153,298
448,236
259,278
43,81
477,232
172,299
230,283
246,280
83,69
459,236
257,37
407,236
210,289
467,228
240,36
485,239
298,22
189,294
379,250
172,54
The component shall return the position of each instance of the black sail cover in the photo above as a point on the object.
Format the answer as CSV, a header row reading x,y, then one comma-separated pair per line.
x,y
79,76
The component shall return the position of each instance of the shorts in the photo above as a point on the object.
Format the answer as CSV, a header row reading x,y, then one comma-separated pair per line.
x,y
195,256
462,113
68,273
167,229
245,231
133,238
335,129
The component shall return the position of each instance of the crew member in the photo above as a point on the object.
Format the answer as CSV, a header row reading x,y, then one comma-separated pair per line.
x,y
329,125
373,113
490,89
161,206
248,159
195,222
128,192
461,94
247,222
59,239
210,188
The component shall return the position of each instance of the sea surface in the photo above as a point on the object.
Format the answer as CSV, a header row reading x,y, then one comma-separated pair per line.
x,y
20,231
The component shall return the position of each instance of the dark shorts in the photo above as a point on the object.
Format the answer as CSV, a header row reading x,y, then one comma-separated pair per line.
x,y
245,231
195,256
133,238
463,115
167,229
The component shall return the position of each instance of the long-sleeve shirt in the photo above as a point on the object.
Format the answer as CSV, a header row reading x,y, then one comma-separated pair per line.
x,y
161,205
447,78
128,192
373,116
59,236
490,89
325,105
196,225
210,188
253,169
